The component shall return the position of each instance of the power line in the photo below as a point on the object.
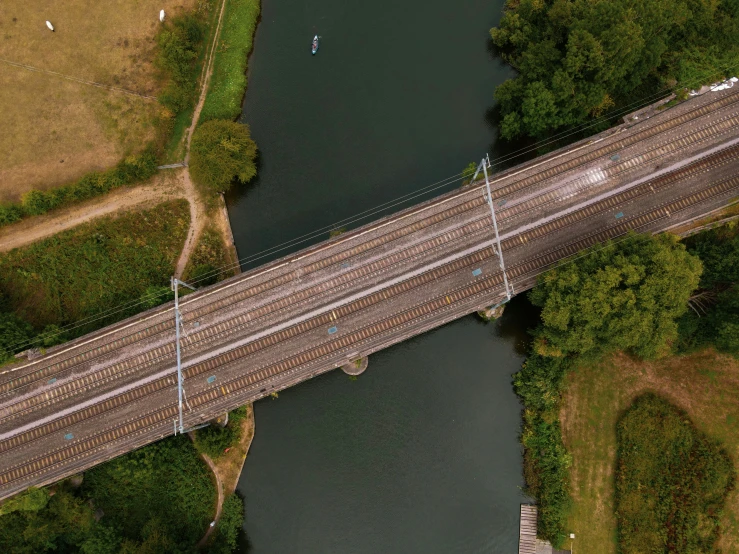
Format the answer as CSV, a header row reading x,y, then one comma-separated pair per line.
x,y
646,100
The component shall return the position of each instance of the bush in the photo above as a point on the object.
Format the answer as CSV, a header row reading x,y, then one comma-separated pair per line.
x,y
229,526
214,439
78,274
178,43
221,152
15,335
37,202
31,500
671,481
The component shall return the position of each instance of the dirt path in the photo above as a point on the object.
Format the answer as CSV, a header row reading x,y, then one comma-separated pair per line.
x,y
164,186
227,469
219,505
197,209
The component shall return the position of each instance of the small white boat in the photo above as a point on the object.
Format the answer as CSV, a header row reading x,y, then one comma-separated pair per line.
x,y
50,26
314,48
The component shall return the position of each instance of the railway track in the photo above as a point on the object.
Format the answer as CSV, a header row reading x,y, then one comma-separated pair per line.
x,y
54,372
466,294
260,376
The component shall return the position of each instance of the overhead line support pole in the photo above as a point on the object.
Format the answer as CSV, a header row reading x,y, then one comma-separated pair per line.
x,y
177,322
485,163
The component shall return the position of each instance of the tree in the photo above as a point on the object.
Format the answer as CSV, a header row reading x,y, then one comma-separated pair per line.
x,y
622,296
15,334
577,58
221,152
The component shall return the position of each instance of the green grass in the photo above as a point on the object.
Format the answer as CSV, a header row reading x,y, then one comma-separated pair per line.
x,y
94,267
208,258
228,82
704,384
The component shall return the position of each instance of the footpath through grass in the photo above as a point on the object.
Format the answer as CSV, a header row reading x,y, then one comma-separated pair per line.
x,y
704,384
228,82
94,267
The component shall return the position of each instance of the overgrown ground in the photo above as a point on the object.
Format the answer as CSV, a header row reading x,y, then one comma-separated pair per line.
x,y
704,384
91,268
55,130
211,260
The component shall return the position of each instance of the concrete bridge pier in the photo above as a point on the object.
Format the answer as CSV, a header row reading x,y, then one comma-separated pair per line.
x,y
356,367
491,313
220,421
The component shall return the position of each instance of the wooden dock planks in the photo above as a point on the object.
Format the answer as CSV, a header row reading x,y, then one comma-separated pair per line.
x,y
527,530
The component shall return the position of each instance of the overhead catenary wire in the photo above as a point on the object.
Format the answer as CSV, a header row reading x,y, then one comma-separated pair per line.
x,y
644,101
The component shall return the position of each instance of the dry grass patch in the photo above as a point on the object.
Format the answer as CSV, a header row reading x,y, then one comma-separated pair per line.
x,y
704,384
47,119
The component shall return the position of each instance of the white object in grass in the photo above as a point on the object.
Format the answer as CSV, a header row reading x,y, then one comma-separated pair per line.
x,y
161,15
50,26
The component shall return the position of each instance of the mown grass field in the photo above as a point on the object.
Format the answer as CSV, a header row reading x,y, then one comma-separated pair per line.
x,y
55,130
94,267
704,384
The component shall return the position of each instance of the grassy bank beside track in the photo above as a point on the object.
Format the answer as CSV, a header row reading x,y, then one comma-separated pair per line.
x,y
85,271
228,82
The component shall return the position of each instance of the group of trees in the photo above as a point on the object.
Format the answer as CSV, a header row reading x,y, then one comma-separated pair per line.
x,y
714,315
625,295
156,500
576,59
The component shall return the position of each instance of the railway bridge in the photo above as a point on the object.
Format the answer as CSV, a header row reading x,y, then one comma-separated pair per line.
x,y
115,390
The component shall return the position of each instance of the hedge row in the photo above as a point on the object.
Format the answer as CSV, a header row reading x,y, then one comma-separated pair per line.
x,y
539,384
37,202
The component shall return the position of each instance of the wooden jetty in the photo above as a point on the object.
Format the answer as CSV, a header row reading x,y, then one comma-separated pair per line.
x,y
527,530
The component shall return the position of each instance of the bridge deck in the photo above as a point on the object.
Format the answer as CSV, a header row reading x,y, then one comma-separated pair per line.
x,y
267,329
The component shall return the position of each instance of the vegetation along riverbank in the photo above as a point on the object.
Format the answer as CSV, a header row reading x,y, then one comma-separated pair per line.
x,y
618,322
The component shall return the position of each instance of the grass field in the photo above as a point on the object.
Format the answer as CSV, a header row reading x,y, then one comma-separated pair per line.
x,y
94,267
55,130
704,384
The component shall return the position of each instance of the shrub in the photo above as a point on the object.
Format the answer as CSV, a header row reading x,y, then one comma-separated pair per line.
x,y
671,481
214,440
229,526
15,335
221,152
31,500
178,50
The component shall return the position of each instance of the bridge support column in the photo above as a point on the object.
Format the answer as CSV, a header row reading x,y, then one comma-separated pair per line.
x,y
492,313
356,367
221,420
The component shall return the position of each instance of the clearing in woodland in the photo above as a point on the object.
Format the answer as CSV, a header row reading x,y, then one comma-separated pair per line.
x,y
704,384
55,129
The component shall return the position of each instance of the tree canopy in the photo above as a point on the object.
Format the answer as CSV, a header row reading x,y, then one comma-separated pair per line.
x,y
578,58
622,296
221,152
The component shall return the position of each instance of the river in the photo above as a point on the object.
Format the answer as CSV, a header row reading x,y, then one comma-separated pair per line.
x,y
420,453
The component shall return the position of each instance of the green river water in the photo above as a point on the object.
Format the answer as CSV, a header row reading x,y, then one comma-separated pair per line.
x,y
420,453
